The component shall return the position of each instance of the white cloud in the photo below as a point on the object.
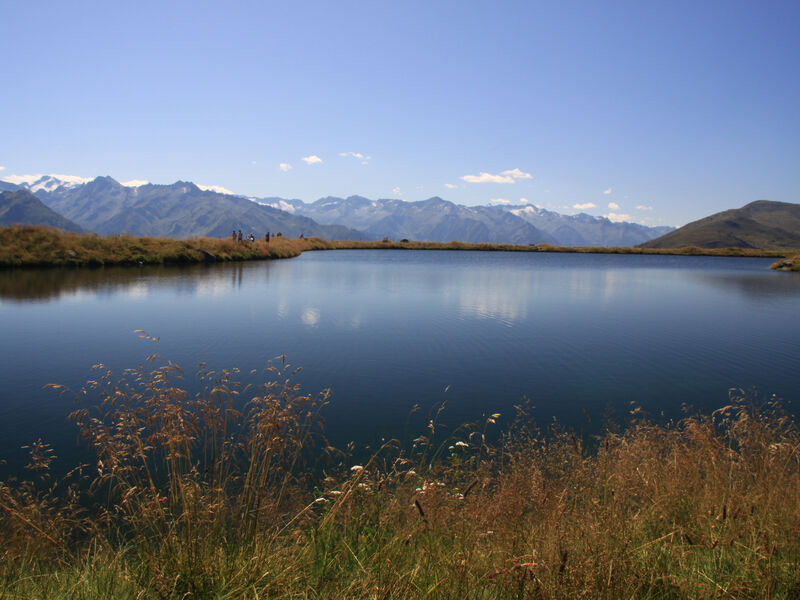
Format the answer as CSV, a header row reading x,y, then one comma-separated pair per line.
x,y
547,191
584,206
613,206
617,218
517,174
134,183
252,162
285,166
507,176
643,207
362,157
607,192
2,168
500,201
215,188
397,191
488,178
312,160
524,201
450,186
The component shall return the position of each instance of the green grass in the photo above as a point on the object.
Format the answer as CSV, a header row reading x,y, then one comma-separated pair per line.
x,y
235,493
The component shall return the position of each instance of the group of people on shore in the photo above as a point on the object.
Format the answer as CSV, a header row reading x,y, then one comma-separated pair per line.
x,y
237,236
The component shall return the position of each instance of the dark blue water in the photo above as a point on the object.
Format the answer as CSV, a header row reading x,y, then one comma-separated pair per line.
x,y
577,334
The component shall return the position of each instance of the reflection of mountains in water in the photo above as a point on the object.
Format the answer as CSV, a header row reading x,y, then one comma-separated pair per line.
x,y
495,294
754,285
42,285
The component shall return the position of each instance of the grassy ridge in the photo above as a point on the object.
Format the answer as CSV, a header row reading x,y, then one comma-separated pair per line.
x,y
212,497
29,246
686,251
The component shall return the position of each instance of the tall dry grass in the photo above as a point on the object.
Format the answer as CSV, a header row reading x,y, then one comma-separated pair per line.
x,y
487,247
31,246
234,493
787,264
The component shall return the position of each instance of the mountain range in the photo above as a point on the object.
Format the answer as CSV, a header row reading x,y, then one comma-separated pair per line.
x,y
763,224
183,209
438,220
179,210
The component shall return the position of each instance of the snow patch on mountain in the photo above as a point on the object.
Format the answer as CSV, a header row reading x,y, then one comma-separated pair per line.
x,y
47,183
280,205
215,188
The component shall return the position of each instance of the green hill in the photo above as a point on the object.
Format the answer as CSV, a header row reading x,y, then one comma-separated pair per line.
x,y
762,224
22,207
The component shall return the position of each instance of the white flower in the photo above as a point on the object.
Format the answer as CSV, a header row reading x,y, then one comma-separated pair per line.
x,y
356,468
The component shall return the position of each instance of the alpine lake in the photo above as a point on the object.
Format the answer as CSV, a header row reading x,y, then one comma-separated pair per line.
x,y
582,339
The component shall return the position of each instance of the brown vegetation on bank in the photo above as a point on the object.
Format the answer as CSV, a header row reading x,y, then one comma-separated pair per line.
x,y
37,246
234,493
787,264
687,251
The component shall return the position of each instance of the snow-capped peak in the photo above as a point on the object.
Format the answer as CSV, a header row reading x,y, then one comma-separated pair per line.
x,y
215,188
134,183
47,183
529,209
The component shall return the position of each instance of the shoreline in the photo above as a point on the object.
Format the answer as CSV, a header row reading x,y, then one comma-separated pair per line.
x,y
42,247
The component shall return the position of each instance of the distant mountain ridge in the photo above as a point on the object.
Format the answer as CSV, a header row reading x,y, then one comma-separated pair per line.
x,y
178,210
762,224
22,207
434,220
586,230
440,220
184,209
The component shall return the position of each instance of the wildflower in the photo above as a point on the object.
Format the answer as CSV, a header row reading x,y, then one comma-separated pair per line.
x,y
356,468
462,444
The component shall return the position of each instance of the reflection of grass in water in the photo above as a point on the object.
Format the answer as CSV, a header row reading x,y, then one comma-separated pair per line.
x,y
234,493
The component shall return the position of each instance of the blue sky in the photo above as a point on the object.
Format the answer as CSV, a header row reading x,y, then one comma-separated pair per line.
x,y
665,112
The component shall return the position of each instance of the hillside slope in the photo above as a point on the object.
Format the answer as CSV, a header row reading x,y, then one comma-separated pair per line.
x,y
22,207
762,224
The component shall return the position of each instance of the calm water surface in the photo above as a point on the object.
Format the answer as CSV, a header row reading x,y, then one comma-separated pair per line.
x,y
385,330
